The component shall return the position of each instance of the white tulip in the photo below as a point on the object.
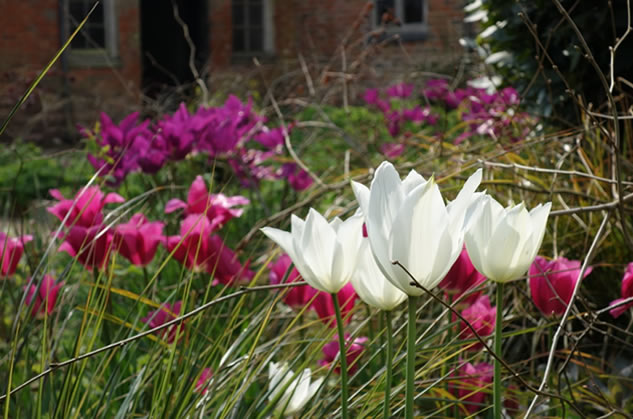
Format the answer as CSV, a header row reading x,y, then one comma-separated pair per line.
x,y
371,285
296,394
503,242
408,222
324,253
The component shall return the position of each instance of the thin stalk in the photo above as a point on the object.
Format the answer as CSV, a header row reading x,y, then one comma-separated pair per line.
x,y
498,328
411,336
388,363
342,355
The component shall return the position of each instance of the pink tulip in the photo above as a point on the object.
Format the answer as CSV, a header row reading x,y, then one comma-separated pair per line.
x,y
138,239
166,313
225,266
552,283
91,246
296,297
218,208
85,209
470,387
461,278
46,298
481,316
324,306
202,385
353,351
626,291
11,250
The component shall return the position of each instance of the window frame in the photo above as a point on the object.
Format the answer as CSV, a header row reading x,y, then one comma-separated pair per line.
x,y
407,31
268,49
98,56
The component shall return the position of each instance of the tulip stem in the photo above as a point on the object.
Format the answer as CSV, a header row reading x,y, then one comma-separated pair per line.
x,y
411,336
388,364
342,355
497,370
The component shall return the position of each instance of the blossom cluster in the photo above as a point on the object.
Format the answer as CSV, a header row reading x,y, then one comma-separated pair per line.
x,y
233,131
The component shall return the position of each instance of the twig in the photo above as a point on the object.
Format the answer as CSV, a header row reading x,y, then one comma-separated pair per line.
x,y
590,208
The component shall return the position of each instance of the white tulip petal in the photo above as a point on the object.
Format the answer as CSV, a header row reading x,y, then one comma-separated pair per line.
x,y
318,245
457,208
362,196
413,180
282,238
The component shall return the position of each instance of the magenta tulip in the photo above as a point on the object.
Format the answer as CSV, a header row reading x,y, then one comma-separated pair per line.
x,y
552,283
324,306
218,208
296,297
353,351
166,313
627,292
138,239
472,379
11,250
462,278
481,316
202,385
85,209
91,246
46,298
224,265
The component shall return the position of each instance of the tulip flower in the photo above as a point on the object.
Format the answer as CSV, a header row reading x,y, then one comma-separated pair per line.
x,y
370,283
503,242
46,298
324,305
354,349
298,178
296,297
292,392
324,253
193,247
224,265
85,209
470,388
91,246
202,385
481,316
218,208
461,278
138,239
408,222
166,313
627,292
552,283
11,250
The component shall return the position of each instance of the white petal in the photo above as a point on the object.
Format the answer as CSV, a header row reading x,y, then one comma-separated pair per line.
x,y
413,180
457,209
362,196
282,238
318,244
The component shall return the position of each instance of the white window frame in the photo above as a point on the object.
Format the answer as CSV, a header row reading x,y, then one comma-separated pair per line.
x,y
97,56
412,30
267,29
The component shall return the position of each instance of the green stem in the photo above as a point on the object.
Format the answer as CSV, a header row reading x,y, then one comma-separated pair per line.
x,y
411,337
342,355
498,337
388,362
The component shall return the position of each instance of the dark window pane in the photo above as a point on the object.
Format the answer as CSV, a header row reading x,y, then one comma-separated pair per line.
x,y
255,14
238,40
96,36
256,39
97,15
413,11
238,13
76,10
385,11
92,34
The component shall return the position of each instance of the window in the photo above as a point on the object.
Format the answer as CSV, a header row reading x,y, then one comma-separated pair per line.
x,y
252,29
404,17
96,42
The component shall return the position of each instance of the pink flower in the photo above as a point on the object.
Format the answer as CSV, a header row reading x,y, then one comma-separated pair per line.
x,y
85,209
46,298
400,90
470,387
166,313
11,250
298,178
91,246
324,306
138,239
552,283
353,351
218,208
461,278
626,291
392,150
481,316
202,385
295,296
225,266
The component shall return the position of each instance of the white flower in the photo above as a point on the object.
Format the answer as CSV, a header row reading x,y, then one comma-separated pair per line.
x,y
408,222
296,394
371,285
503,242
323,253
